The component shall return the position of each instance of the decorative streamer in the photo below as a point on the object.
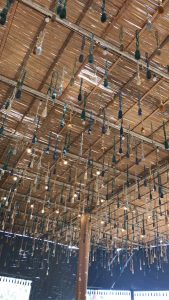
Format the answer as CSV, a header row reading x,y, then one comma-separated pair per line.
x,y
148,71
81,56
19,85
91,50
121,38
103,12
80,95
165,137
137,52
4,12
106,83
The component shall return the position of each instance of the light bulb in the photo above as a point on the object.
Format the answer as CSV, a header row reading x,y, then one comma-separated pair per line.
x,y
32,206
98,172
102,222
65,162
57,211
29,150
15,178
42,211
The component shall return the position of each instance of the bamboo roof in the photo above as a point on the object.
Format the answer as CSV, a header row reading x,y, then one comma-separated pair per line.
x,y
40,196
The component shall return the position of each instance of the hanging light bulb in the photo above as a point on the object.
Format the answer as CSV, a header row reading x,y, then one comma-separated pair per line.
x,y
29,150
15,178
42,211
65,162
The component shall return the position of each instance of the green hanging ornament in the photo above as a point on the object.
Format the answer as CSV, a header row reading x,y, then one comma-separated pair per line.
x,y
137,52
59,7
106,83
4,12
148,71
63,11
91,50
80,95
103,12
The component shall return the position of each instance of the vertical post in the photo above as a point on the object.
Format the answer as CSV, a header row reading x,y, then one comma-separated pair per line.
x,y
83,261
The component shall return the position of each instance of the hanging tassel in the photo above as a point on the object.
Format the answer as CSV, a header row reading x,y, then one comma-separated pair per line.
x,y
139,106
81,56
158,49
103,12
114,160
80,96
47,150
83,113
19,85
165,137
62,122
120,113
104,127
63,10
160,7
137,52
91,57
148,71
106,83
121,38
4,12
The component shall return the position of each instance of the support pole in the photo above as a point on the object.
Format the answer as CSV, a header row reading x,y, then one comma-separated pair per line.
x,y
83,261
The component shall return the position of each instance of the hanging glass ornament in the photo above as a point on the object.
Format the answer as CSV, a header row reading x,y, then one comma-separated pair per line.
x,y
103,12
106,83
19,85
121,38
81,56
83,113
160,7
148,71
39,43
137,52
4,12
136,155
61,83
149,25
80,95
3,125
158,48
58,8
54,92
120,147
91,50
139,106
120,113
165,137
67,143
62,13
62,122
47,149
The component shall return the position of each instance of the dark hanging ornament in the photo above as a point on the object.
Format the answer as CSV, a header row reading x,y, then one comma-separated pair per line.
x,y
165,137
106,83
91,123
103,12
83,113
59,7
121,38
127,172
47,149
91,56
63,10
35,139
143,228
62,122
128,146
136,155
80,96
3,125
4,12
67,143
120,148
120,113
137,52
19,86
160,7
114,160
139,106
138,187
145,180
81,56
121,129
148,71
104,127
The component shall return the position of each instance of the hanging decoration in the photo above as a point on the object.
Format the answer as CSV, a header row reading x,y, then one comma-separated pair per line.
x,y
47,149
148,71
62,122
114,160
158,49
38,47
91,50
103,12
81,56
83,113
3,124
149,25
54,92
121,38
4,12
80,95
165,137
139,106
19,85
35,139
91,123
106,83
61,8
104,126
67,143
160,7
137,52
120,113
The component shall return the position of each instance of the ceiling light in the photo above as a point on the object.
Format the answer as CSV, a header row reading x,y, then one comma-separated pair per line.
x,y
98,173
65,162
57,211
15,178
29,150
42,211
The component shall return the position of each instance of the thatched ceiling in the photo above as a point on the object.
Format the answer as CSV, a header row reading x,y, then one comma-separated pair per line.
x,y
118,200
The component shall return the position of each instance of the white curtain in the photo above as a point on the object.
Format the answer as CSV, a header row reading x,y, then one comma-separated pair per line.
x,y
152,295
108,295
14,289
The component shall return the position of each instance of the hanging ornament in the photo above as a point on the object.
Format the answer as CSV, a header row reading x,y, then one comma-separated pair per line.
x,y
145,179
91,123
161,106
114,160
148,71
47,149
121,38
62,122
160,7
120,113
4,12
149,25
103,12
165,137
137,52
81,56
106,83
3,125
62,13
158,49
58,8
19,85
128,146
38,47
80,95
67,143
61,83
35,139
91,57
120,147
72,81
104,127
83,113
139,106
136,155
54,92
138,78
